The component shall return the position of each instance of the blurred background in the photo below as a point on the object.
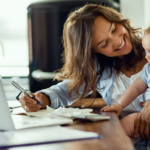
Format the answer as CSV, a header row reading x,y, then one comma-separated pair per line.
x,y
30,37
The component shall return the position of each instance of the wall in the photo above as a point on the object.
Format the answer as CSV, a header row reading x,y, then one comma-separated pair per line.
x,y
137,10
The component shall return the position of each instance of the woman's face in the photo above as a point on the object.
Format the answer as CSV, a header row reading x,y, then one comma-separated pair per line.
x,y
110,39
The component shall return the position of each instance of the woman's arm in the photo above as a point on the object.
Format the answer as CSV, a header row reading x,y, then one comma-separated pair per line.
x,y
89,103
55,96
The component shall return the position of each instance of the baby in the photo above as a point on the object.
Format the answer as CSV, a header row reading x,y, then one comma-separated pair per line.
x,y
141,85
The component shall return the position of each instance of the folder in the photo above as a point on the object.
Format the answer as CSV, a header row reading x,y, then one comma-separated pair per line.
x,y
43,135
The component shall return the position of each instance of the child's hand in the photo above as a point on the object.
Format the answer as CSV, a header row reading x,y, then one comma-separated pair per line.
x,y
116,107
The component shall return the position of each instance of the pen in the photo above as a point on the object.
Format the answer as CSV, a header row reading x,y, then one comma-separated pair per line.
x,y
24,91
14,107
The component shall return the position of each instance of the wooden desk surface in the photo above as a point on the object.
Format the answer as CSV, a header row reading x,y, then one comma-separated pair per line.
x,y
114,138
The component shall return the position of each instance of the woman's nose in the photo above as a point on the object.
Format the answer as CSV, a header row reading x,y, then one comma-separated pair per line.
x,y
117,41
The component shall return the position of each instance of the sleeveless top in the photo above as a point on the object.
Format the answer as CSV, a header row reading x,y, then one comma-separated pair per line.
x,y
120,84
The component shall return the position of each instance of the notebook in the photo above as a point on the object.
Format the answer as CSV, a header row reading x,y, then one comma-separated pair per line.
x,y
14,122
43,135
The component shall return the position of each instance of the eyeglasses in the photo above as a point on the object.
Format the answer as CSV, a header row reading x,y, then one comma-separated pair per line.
x,y
18,96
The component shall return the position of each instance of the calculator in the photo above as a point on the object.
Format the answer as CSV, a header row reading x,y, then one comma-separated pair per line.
x,y
91,117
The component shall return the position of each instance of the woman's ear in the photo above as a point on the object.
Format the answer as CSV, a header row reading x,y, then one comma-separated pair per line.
x,y
93,51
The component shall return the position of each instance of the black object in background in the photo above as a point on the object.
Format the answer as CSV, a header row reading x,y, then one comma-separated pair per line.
x,y
45,26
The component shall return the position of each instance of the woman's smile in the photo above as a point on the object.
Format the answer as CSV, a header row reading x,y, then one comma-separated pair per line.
x,y
123,45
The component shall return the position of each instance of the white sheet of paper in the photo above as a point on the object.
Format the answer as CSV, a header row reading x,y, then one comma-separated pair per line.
x,y
64,112
21,122
69,112
43,135
13,103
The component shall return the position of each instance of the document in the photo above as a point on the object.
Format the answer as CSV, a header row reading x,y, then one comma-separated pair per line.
x,y
43,135
22,122
64,112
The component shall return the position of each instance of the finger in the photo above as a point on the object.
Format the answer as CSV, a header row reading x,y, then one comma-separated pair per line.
x,y
104,108
31,108
141,130
31,105
24,98
25,103
146,131
38,96
137,125
110,108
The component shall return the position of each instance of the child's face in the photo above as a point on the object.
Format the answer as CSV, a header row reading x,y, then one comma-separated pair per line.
x,y
146,46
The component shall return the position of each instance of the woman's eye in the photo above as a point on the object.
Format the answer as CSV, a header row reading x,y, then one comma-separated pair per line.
x,y
105,44
114,29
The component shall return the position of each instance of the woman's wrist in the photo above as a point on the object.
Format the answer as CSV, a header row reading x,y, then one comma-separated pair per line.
x,y
45,101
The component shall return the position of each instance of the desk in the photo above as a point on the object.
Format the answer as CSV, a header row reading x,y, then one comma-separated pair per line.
x,y
114,138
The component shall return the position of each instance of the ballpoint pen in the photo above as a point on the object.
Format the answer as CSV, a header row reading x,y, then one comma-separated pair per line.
x,y
24,91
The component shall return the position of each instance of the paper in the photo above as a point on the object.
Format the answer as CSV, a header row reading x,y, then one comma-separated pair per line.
x,y
13,103
40,113
42,135
17,111
21,122
64,112
69,112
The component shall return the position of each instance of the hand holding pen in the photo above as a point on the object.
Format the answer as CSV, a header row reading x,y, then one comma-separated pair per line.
x,y
30,102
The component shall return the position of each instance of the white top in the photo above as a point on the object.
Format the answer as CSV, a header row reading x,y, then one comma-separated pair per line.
x,y
121,83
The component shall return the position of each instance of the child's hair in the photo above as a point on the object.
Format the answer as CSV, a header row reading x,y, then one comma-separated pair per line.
x,y
147,30
79,58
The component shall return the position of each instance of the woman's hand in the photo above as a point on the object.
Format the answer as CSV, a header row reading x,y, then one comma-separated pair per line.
x,y
116,107
31,105
142,123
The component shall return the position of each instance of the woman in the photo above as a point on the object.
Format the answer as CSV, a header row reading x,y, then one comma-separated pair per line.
x,y
101,51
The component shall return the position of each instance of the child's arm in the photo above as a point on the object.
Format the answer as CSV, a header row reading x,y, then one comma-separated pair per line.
x,y
134,90
138,87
